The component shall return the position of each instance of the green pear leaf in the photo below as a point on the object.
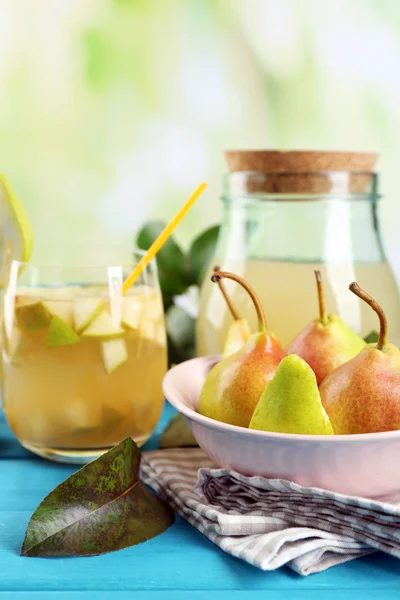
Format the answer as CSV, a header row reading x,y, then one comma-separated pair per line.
x,y
181,334
372,337
180,326
171,263
101,508
177,272
201,253
177,434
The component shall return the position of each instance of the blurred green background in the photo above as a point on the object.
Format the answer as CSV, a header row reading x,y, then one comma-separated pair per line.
x,y
112,111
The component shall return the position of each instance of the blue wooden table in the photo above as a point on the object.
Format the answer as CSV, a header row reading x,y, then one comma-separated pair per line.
x,y
179,564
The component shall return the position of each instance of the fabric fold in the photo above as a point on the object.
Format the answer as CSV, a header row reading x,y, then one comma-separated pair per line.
x,y
271,522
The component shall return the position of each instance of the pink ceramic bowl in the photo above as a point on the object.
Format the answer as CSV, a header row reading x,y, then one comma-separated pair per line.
x,y
361,465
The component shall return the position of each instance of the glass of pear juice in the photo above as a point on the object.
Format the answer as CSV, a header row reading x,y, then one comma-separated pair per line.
x,y
82,365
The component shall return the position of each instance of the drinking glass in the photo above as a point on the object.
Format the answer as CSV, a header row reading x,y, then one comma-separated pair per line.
x,y
81,364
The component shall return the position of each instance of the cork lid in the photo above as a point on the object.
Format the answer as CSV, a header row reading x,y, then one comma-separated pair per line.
x,y
303,171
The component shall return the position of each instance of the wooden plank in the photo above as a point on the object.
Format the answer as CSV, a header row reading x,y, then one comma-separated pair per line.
x,y
181,558
179,564
304,594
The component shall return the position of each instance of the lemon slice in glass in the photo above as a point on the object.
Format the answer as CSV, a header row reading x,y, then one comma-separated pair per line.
x,y
14,227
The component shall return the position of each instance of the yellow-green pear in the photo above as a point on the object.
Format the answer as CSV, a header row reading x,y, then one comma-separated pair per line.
x,y
233,387
16,239
363,395
32,314
84,311
326,342
114,354
291,402
132,312
112,419
60,333
239,332
103,327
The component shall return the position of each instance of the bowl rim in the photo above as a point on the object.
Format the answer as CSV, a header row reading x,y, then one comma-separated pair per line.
x,y
255,433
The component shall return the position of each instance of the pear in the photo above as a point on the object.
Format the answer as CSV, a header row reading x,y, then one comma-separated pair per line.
x,y
32,314
154,332
103,327
84,311
81,416
291,402
326,342
234,386
363,395
60,308
114,354
111,419
60,333
239,332
16,238
132,309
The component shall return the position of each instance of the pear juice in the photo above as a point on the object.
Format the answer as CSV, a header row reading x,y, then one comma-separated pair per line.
x,y
80,372
287,292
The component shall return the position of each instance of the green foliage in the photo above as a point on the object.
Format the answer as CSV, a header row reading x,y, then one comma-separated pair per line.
x,y
372,337
181,334
171,261
101,508
177,434
178,271
201,252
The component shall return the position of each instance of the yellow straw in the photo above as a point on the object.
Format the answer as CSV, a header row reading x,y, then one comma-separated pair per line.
x,y
162,238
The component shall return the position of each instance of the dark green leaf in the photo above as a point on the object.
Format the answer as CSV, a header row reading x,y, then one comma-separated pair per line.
x,y
177,273
201,253
177,354
372,337
180,326
181,334
177,434
170,261
101,508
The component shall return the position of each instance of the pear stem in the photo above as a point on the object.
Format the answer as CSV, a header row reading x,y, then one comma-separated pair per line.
x,y
321,298
218,275
221,286
383,334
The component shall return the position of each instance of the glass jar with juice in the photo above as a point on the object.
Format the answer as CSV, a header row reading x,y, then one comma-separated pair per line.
x,y
286,214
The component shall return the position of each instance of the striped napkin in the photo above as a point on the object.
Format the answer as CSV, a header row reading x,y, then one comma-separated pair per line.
x,y
271,522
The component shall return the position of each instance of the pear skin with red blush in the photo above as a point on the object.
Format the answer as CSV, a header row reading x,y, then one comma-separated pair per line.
x,y
239,332
326,346
326,342
363,395
234,386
